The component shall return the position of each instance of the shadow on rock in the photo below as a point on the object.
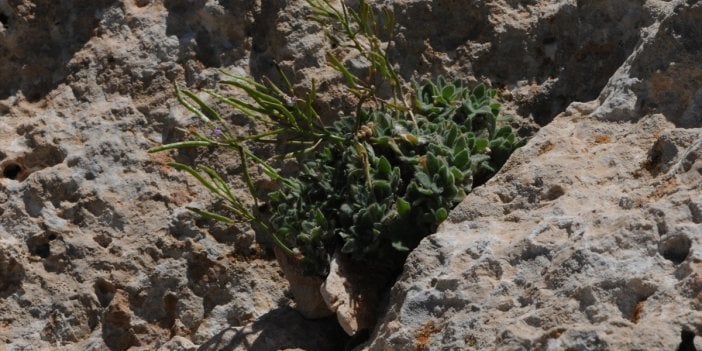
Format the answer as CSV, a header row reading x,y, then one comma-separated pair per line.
x,y
37,42
546,59
282,328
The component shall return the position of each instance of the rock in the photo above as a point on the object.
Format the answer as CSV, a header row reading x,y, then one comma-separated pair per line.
x,y
11,270
533,49
306,289
94,249
178,343
117,328
662,74
354,294
588,237
280,329
559,263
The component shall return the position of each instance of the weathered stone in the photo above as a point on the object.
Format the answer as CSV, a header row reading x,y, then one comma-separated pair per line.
x,y
11,271
353,293
178,343
586,240
86,215
305,289
117,328
571,270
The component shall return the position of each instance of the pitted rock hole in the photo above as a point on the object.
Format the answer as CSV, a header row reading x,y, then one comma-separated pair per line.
x,y
688,341
20,167
671,147
170,302
675,248
661,155
103,239
36,49
41,245
528,251
696,211
12,171
105,291
44,156
554,193
42,250
630,295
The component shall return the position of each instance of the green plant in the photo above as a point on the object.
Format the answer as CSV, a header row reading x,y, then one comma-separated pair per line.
x,y
376,198
372,184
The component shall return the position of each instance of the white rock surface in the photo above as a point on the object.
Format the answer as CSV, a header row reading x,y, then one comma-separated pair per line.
x,y
97,249
590,237
575,245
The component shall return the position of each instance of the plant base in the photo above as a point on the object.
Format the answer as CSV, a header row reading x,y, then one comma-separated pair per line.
x,y
354,296
305,289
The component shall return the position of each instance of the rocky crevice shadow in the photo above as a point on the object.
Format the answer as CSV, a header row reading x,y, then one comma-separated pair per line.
x,y
589,237
279,329
546,55
279,37
213,33
664,76
37,40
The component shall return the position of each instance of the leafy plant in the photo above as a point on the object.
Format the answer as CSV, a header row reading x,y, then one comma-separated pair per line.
x,y
372,184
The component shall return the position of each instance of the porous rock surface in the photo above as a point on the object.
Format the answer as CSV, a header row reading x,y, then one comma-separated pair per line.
x,y
588,239
97,248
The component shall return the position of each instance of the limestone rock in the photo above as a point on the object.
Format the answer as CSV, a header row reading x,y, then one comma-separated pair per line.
x,y
557,251
178,343
306,289
588,239
354,294
97,249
